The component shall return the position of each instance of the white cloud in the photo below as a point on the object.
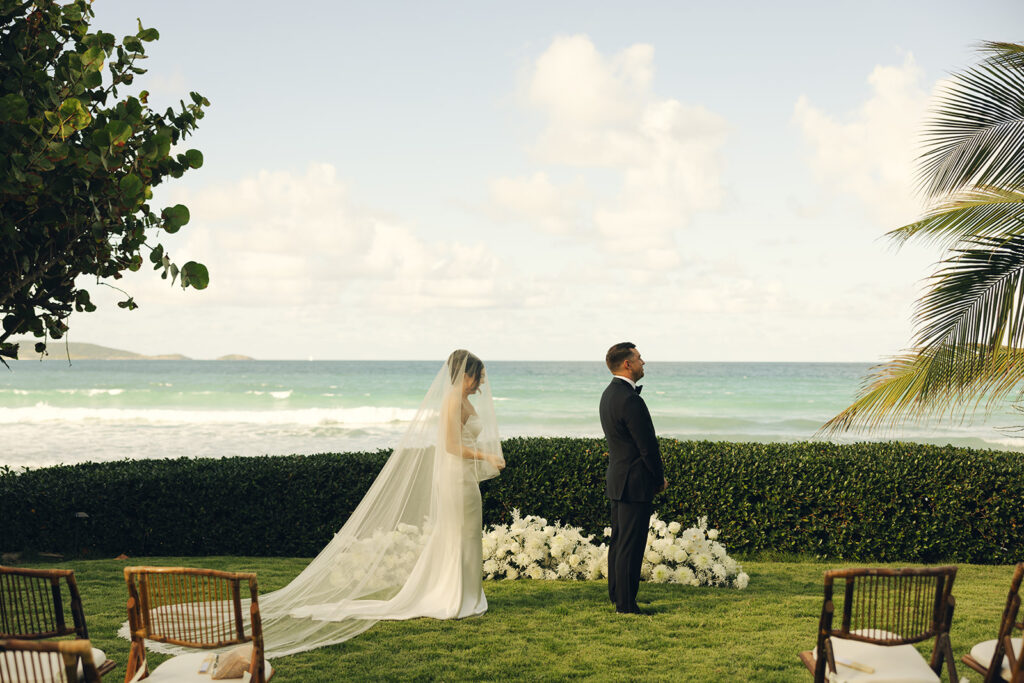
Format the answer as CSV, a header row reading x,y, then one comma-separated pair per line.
x,y
539,201
870,153
601,113
279,238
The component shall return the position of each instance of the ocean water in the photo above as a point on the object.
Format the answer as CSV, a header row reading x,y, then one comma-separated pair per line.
x,y
53,413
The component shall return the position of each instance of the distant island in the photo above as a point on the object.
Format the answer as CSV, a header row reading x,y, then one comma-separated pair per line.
x,y
56,350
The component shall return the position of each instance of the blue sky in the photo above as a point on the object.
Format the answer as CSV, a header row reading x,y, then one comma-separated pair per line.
x,y
539,180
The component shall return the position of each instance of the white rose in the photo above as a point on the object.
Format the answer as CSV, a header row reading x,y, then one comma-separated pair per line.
x,y
674,527
742,580
607,531
661,574
712,534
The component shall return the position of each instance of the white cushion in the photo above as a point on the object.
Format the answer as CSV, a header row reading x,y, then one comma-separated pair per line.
x,y
891,663
11,671
982,653
185,668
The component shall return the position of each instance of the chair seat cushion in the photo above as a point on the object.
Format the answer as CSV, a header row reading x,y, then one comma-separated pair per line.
x,y
10,671
891,663
185,668
982,653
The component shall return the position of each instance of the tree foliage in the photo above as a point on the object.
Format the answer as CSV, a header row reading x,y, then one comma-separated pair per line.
x,y
79,159
968,350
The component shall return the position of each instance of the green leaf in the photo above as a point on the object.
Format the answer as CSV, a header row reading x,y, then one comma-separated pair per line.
x,y
163,145
73,116
93,58
119,132
13,107
157,255
133,44
195,275
147,34
131,186
92,79
174,217
83,302
194,158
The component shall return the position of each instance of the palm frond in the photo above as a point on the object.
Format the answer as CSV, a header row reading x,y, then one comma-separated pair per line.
x,y
973,308
969,344
975,298
976,131
1008,54
907,389
974,213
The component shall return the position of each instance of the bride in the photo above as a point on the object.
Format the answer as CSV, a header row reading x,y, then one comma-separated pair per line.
x,y
412,547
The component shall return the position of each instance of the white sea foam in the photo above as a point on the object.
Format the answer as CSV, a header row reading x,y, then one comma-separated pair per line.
x,y
362,416
281,394
91,392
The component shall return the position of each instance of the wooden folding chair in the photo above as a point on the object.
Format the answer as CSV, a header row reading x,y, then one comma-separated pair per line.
x,y
33,606
1000,659
192,608
884,611
47,661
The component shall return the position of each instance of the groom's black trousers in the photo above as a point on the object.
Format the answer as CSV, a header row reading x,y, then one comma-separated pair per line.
x,y
630,524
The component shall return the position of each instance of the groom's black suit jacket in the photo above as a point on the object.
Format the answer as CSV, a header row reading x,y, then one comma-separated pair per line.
x,y
635,472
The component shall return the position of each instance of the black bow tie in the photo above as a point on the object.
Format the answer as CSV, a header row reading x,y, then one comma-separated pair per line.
x,y
638,389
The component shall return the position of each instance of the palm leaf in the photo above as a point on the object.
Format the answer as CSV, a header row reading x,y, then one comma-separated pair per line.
x,y
905,389
978,212
975,302
977,130
970,323
1008,54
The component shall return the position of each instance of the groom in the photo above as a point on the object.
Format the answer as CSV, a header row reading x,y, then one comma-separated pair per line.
x,y
635,473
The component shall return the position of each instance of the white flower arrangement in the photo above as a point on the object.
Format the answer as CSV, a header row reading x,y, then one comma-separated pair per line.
x,y
530,547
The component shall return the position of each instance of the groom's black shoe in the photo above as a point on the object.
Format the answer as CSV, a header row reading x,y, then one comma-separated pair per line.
x,y
632,610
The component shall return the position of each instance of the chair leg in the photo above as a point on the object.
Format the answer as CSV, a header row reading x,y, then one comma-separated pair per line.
x,y
947,653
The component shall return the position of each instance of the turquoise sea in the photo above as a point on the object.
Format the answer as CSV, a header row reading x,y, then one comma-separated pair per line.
x,y
52,413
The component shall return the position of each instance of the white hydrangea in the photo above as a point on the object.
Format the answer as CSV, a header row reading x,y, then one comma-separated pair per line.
x,y
531,547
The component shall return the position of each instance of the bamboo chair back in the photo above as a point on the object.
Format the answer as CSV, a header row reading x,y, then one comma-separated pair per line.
x,y
33,604
47,661
201,608
888,606
1010,623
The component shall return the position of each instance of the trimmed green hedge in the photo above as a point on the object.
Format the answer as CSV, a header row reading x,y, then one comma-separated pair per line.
x,y
900,502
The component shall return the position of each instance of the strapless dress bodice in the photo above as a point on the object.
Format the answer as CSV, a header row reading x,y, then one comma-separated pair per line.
x,y
471,430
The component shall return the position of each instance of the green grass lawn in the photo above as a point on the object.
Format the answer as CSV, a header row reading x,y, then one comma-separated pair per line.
x,y
553,630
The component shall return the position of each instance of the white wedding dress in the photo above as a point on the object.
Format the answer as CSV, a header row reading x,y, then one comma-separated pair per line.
x,y
413,546
447,579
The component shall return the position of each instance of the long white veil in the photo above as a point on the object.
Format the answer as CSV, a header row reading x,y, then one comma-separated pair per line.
x,y
399,554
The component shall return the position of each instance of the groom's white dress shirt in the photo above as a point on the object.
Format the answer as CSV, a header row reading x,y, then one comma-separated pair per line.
x,y
631,382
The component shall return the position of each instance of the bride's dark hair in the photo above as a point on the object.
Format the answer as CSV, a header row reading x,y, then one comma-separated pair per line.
x,y
474,366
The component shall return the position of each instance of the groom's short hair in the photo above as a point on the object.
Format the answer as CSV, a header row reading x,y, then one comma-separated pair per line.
x,y
618,354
